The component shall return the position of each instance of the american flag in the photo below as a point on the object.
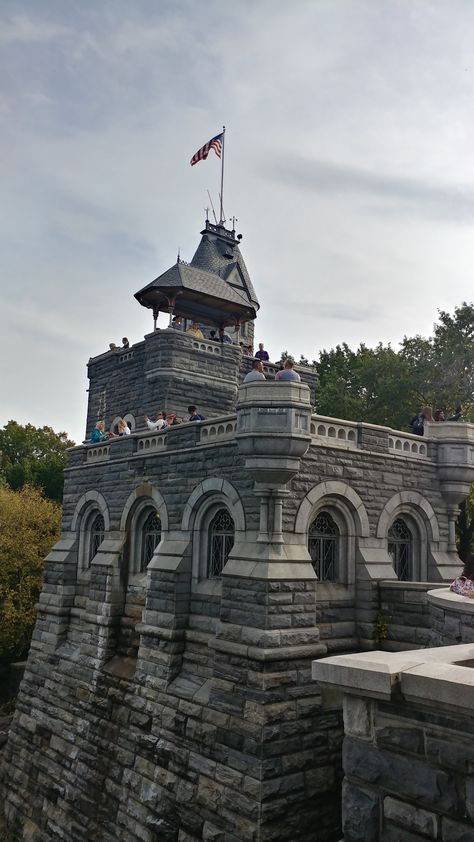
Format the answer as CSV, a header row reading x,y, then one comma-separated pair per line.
x,y
215,143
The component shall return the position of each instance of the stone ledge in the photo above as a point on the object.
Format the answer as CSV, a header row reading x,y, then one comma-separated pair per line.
x,y
441,674
449,601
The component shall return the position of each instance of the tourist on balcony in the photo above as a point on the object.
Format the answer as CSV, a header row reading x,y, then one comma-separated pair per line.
x,y
193,414
122,428
438,416
125,344
212,335
261,354
456,416
171,419
113,346
195,331
159,424
464,584
287,372
177,323
98,433
256,373
224,337
419,422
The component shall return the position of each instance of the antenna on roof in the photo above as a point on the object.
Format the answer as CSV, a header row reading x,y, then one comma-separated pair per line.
x,y
207,214
178,259
212,206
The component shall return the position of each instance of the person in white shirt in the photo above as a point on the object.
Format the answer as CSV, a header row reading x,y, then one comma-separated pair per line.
x,y
256,373
159,424
123,428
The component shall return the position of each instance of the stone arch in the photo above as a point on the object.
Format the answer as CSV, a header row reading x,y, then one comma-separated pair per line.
x,y
218,490
411,503
91,499
337,491
143,493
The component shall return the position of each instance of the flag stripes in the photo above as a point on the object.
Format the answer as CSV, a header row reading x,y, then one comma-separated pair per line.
x,y
215,143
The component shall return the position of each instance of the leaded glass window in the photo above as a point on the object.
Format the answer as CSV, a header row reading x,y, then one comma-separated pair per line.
x,y
97,535
400,547
323,540
221,541
151,536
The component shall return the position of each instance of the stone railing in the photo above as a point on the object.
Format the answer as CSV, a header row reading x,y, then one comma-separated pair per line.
x,y
339,432
98,453
128,355
150,442
407,444
220,428
207,345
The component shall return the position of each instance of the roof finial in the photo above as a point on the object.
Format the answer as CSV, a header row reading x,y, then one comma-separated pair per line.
x,y
178,259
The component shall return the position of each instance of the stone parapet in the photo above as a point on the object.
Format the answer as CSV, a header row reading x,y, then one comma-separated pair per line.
x,y
406,756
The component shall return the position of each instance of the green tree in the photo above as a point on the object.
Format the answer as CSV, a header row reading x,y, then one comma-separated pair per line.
x,y
33,456
370,384
29,526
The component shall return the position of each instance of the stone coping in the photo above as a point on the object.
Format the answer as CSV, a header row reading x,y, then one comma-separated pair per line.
x,y
442,675
449,601
397,584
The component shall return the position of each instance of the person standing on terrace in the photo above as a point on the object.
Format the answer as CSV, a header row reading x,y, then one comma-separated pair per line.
x,y
98,433
287,372
261,354
195,331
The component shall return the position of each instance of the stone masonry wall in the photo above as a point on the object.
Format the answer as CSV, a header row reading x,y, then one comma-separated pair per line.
x,y
408,773
405,614
169,371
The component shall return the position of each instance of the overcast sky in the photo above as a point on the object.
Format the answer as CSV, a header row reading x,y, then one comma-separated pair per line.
x,y
349,165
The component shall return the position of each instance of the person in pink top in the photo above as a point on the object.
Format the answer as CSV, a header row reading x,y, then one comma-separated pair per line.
x,y
287,372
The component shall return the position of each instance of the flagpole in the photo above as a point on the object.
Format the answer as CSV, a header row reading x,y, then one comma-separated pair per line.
x,y
222,177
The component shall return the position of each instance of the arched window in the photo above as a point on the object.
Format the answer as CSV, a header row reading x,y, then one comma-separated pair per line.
x,y
220,542
323,540
400,547
97,534
150,538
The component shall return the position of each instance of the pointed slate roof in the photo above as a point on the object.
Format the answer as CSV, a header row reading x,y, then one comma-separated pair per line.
x,y
215,288
219,252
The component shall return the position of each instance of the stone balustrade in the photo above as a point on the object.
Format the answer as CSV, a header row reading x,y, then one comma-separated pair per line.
x,y
337,431
97,453
408,445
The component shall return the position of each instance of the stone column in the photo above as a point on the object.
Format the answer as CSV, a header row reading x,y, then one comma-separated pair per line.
x,y
455,463
268,637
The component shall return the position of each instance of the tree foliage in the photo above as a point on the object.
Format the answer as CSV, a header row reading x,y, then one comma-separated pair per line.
x,y
29,526
33,456
383,386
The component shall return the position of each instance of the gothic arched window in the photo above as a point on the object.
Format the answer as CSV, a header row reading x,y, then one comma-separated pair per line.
x,y
323,540
220,542
97,534
151,537
400,547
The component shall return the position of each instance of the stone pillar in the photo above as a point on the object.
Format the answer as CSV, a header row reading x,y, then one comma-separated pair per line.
x,y
268,636
165,618
455,463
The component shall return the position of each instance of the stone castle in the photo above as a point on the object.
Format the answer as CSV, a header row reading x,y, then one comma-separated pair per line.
x,y
202,569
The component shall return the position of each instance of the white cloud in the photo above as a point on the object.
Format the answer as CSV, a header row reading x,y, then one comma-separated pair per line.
x,y
349,166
